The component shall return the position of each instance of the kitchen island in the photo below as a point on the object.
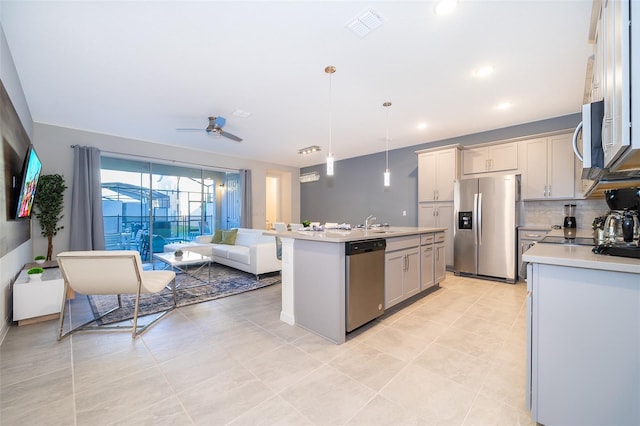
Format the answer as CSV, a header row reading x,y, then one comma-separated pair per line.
x,y
583,336
314,272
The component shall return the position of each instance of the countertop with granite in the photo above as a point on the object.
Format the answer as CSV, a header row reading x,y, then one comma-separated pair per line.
x,y
579,256
343,236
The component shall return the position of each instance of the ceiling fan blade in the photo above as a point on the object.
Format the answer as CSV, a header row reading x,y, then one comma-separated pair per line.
x,y
190,130
230,136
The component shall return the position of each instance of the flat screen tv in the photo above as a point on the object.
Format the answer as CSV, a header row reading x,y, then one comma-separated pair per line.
x,y
30,174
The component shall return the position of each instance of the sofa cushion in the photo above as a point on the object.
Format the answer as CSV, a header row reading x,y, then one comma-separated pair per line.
x,y
229,237
221,250
240,254
245,238
217,237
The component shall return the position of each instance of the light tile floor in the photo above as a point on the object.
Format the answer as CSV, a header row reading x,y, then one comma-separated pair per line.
x,y
453,357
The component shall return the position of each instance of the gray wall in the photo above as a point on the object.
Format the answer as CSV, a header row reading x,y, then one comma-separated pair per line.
x,y
53,145
13,258
356,189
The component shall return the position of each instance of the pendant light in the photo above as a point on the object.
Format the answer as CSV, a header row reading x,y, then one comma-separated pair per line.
x,y
387,172
330,70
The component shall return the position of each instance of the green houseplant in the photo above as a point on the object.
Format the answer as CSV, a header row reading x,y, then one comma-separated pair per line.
x,y
48,207
35,273
40,259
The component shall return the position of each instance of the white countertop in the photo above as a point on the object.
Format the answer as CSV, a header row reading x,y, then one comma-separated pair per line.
x,y
579,256
343,236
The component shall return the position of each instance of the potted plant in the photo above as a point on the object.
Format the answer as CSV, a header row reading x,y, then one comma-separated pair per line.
x,y
39,259
35,274
306,223
178,254
48,207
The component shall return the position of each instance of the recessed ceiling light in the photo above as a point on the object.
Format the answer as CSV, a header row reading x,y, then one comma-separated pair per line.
x,y
504,105
421,126
445,7
483,71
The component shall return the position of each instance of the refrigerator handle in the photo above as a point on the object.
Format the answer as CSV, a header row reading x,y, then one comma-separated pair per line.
x,y
480,219
475,218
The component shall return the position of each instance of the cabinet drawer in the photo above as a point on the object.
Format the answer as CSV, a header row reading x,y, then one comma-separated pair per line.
x,y
440,237
399,243
426,239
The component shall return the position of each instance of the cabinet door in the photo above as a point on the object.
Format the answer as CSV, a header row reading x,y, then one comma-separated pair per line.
x,y
426,267
475,160
615,125
446,220
411,283
503,157
427,164
393,276
560,167
439,262
427,215
534,184
445,174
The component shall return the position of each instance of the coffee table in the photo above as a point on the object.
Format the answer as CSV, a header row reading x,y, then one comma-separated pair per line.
x,y
182,263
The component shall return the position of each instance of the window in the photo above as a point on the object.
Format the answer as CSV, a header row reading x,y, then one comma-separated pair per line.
x,y
147,205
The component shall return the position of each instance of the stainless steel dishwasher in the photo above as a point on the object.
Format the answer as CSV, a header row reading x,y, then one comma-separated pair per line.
x,y
364,281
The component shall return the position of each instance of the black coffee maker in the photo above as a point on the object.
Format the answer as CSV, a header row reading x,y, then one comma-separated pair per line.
x,y
622,225
569,224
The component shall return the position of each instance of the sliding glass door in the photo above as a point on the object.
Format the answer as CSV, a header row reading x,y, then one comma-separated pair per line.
x,y
147,205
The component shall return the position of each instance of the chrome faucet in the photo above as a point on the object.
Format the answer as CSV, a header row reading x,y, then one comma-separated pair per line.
x,y
369,221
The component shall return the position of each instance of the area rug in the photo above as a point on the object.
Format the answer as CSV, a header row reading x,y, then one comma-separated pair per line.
x,y
191,289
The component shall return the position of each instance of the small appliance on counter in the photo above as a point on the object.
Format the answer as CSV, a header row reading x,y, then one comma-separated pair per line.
x,y
569,224
617,234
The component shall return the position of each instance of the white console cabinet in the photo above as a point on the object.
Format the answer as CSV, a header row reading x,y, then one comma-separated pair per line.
x,y
35,301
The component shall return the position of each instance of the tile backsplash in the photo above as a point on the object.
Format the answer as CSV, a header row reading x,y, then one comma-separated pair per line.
x,y
552,212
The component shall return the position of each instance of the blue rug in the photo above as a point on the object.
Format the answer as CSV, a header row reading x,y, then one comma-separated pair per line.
x,y
225,281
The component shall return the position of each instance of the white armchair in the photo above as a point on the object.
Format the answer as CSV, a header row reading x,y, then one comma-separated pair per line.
x,y
110,272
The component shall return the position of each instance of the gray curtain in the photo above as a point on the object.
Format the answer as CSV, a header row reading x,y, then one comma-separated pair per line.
x,y
87,226
246,211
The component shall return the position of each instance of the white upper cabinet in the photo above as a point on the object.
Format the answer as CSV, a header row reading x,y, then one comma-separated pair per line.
x,y
613,62
494,158
549,168
436,172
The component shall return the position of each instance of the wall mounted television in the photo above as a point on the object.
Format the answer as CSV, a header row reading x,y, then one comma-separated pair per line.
x,y
30,175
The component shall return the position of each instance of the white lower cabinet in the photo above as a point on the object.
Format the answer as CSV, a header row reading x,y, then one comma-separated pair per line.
x,y
432,261
427,275
583,346
402,269
439,215
440,250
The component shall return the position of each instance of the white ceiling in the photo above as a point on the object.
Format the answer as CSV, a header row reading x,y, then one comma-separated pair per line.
x,y
142,69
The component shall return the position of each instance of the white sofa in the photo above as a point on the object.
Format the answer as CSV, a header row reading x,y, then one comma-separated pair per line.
x,y
252,252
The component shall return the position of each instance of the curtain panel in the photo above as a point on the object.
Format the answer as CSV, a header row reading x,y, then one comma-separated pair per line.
x,y
87,225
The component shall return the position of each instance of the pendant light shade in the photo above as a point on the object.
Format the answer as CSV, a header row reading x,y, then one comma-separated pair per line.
x,y
330,70
387,172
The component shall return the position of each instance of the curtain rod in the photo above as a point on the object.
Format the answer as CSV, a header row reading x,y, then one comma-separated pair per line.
x,y
162,160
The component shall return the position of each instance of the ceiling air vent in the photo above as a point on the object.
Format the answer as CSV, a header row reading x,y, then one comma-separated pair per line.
x,y
364,23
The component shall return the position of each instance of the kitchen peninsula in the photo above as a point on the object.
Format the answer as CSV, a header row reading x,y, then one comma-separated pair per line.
x,y
314,272
583,336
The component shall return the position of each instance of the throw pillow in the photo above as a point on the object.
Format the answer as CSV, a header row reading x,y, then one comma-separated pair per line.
x,y
217,237
229,237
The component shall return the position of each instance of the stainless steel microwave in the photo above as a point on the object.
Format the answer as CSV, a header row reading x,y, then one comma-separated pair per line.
x,y
592,155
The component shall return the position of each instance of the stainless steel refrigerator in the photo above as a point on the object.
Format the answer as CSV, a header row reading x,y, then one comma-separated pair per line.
x,y
487,212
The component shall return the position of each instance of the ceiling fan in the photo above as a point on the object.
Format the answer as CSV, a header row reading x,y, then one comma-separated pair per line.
x,y
215,126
